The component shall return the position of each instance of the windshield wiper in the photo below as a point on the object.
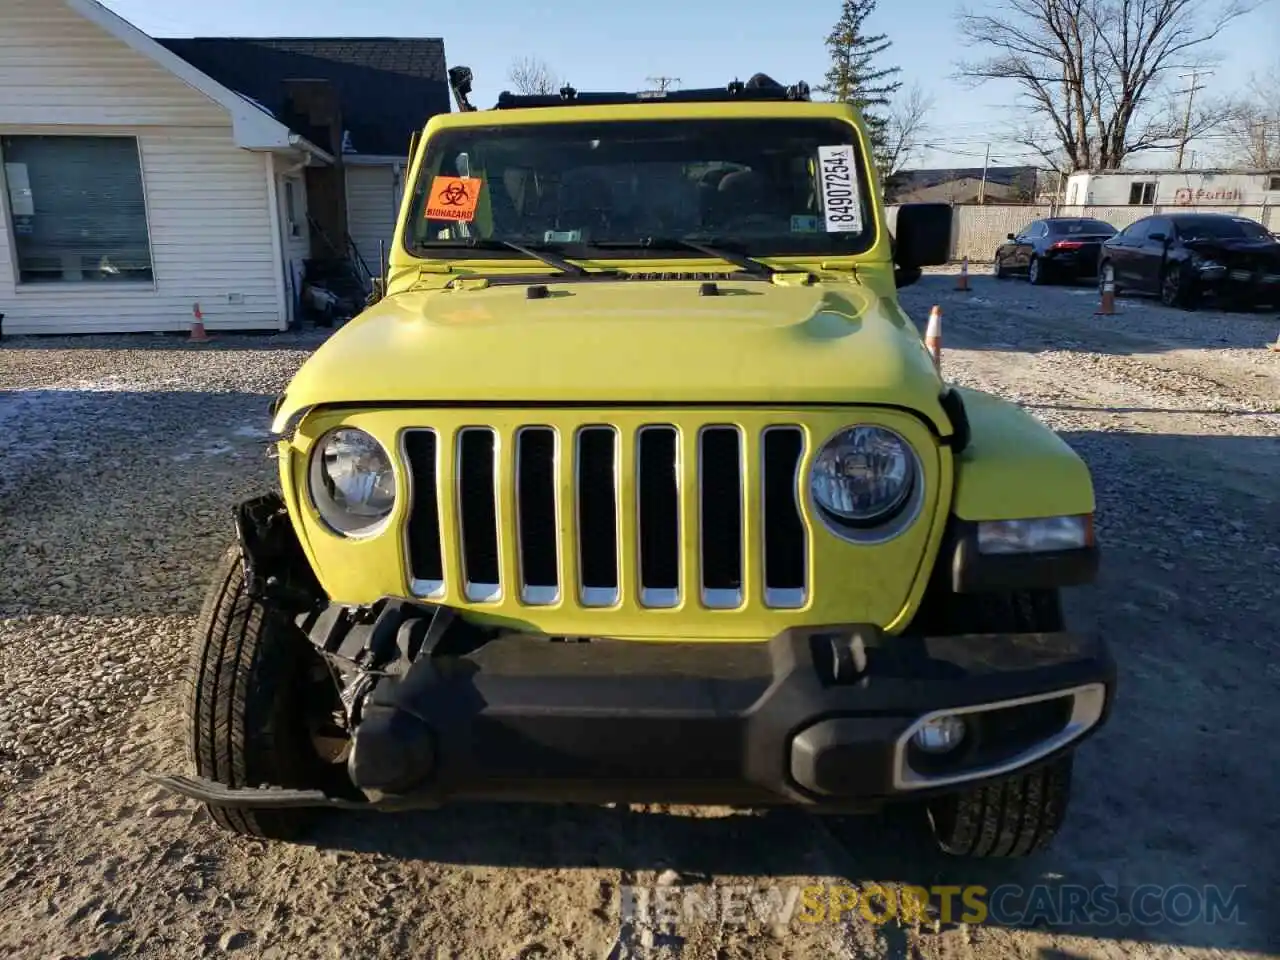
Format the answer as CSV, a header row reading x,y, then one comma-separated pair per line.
x,y
547,257
748,264
534,253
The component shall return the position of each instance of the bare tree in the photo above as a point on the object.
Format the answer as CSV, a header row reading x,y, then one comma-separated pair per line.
x,y
903,129
1252,126
1095,72
531,76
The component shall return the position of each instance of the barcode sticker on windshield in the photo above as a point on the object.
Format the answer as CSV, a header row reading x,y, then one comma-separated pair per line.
x,y
839,189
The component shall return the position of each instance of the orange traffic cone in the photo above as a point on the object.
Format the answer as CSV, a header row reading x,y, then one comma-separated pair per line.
x,y
933,337
1275,347
1108,306
197,328
962,283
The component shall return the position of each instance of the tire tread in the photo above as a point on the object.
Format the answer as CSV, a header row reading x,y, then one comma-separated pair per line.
x,y
230,734
1019,814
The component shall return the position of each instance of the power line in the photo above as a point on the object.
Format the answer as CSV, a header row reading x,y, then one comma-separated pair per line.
x,y
1186,123
662,83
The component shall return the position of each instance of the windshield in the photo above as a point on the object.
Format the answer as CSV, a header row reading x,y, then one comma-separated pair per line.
x,y
763,186
1221,228
1066,227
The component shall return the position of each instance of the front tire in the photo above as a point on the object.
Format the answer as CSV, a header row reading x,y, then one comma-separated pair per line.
x,y
1014,817
1017,815
252,689
1175,291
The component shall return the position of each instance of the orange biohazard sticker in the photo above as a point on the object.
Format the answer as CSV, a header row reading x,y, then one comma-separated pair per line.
x,y
453,198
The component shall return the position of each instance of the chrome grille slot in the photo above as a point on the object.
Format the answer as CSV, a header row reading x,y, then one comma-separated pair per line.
x,y
596,485
426,560
537,522
786,544
658,515
720,516
478,513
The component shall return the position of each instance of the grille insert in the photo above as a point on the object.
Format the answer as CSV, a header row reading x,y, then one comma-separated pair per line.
x,y
521,495
478,508
786,546
658,515
720,513
598,515
426,561
537,519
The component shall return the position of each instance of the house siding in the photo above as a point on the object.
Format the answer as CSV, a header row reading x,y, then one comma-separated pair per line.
x,y
57,67
372,210
207,201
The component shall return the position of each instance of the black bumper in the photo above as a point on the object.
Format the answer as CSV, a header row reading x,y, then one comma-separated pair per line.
x,y
813,717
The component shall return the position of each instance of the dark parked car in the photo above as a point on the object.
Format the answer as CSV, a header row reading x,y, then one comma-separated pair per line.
x,y
1056,248
1181,257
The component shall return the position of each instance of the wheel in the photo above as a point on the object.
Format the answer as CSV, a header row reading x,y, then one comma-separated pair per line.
x,y
1010,818
1018,815
1174,292
998,271
261,707
1036,272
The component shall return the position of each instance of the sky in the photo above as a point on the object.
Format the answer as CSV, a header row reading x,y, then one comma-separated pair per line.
x,y
621,46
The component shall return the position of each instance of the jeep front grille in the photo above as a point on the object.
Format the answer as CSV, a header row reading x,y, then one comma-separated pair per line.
x,y
598,514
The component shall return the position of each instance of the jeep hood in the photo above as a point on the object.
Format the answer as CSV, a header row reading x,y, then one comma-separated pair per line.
x,y
626,342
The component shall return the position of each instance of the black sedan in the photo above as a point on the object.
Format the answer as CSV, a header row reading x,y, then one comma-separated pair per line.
x,y
1056,248
1181,257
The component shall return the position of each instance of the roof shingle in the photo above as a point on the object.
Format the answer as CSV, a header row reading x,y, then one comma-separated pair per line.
x,y
387,87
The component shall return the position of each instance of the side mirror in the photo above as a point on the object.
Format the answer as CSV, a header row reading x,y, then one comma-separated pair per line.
x,y
1010,236
922,239
1158,237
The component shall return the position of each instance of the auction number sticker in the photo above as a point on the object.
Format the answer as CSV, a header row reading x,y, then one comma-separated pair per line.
x,y
839,189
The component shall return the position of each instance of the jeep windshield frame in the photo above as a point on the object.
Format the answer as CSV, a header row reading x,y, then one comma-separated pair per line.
x,y
753,185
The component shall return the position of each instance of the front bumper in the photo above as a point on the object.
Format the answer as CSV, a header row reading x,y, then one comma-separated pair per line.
x,y
1244,284
817,717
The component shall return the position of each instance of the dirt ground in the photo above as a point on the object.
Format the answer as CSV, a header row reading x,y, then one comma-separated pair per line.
x,y
123,456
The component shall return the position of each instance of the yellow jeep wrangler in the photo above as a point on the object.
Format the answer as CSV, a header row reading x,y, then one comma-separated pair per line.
x,y
637,485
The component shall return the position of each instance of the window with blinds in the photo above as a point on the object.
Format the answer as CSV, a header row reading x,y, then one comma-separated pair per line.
x,y
77,209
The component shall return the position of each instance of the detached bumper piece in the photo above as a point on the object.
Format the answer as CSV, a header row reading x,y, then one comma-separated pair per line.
x,y
820,717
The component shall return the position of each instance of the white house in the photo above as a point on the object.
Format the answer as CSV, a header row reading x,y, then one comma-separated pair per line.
x,y
142,177
1185,188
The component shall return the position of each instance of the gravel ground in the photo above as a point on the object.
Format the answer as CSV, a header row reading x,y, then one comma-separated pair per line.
x,y
123,457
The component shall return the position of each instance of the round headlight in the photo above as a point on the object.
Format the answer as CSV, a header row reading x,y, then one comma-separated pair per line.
x,y
353,484
863,476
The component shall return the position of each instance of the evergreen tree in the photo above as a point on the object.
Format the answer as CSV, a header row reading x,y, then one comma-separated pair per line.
x,y
853,77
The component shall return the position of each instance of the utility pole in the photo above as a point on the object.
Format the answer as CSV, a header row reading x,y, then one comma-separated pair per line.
x,y
662,83
982,188
1186,122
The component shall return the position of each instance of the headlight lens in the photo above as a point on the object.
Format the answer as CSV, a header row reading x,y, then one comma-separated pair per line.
x,y
353,484
863,475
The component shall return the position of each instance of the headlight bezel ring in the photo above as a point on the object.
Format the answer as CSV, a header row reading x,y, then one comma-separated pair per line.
x,y
888,526
330,512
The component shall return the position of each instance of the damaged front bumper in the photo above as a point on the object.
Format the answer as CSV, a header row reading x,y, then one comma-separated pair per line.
x,y
819,717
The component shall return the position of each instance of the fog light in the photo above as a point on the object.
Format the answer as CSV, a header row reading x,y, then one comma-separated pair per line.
x,y
939,734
